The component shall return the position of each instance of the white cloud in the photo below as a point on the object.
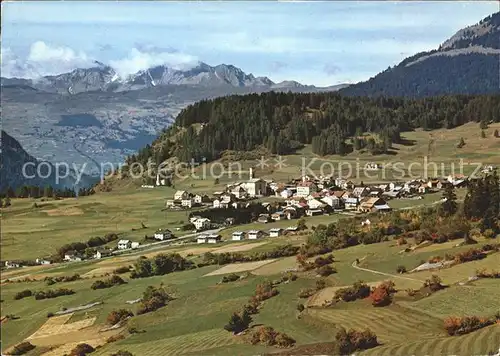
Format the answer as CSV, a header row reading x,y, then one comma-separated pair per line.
x,y
42,59
139,60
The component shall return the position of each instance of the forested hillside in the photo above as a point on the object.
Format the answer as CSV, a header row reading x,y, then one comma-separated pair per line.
x,y
467,63
280,123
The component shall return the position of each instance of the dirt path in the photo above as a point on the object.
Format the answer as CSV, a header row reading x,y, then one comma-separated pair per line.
x,y
355,265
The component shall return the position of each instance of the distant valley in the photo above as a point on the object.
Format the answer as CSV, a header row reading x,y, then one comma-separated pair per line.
x,y
91,115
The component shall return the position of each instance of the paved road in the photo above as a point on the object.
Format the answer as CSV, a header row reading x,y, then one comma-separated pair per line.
x,y
161,244
146,247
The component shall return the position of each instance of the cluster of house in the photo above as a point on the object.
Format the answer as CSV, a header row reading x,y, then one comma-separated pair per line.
x,y
234,196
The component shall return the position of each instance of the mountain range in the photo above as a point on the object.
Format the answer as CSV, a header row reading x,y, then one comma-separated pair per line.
x,y
92,115
104,78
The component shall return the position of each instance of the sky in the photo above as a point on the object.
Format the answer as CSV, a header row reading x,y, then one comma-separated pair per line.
x,y
318,43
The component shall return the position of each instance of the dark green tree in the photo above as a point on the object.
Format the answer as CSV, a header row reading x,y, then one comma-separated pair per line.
x,y
449,205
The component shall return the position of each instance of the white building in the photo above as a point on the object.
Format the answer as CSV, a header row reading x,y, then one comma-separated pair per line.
x,y
202,223
214,238
286,193
255,187
315,204
202,239
163,234
187,203
306,188
275,232
238,236
331,200
124,244
181,194
135,245
254,234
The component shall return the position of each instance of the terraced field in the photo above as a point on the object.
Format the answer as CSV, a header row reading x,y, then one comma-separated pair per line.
x,y
202,341
390,324
480,342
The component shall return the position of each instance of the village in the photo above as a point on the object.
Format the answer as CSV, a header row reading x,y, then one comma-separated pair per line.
x,y
300,198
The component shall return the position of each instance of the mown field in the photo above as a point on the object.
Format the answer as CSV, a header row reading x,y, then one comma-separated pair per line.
x,y
192,323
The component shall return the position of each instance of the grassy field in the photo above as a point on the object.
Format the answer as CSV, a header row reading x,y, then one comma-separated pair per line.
x,y
192,323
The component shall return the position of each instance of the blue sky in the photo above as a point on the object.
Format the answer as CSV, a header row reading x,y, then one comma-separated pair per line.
x,y
321,43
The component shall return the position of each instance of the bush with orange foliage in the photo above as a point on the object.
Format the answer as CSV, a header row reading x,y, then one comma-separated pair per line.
x,y
268,336
464,325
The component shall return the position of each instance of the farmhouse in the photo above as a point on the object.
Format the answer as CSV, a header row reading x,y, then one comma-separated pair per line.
x,y
238,235
239,192
163,234
202,223
73,256
275,232
43,261
255,234
202,239
12,264
100,253
180,195
135,245
214,238
124,244
279,215
187,203
263,218
211,239
200,199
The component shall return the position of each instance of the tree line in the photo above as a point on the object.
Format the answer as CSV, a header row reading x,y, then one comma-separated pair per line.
x,y
283,122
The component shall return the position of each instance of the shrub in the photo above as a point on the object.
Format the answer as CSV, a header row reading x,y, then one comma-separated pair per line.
x,y
402,241
265,291
23,294
122,353
326,270
300,307
401,269
323,261
306,293
268,336
113,281
121,270
230,278
117,316
81,350
434,283
320,284
411,292
358,290
460,326
349,342
153,299
53,293
50,315
22,348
